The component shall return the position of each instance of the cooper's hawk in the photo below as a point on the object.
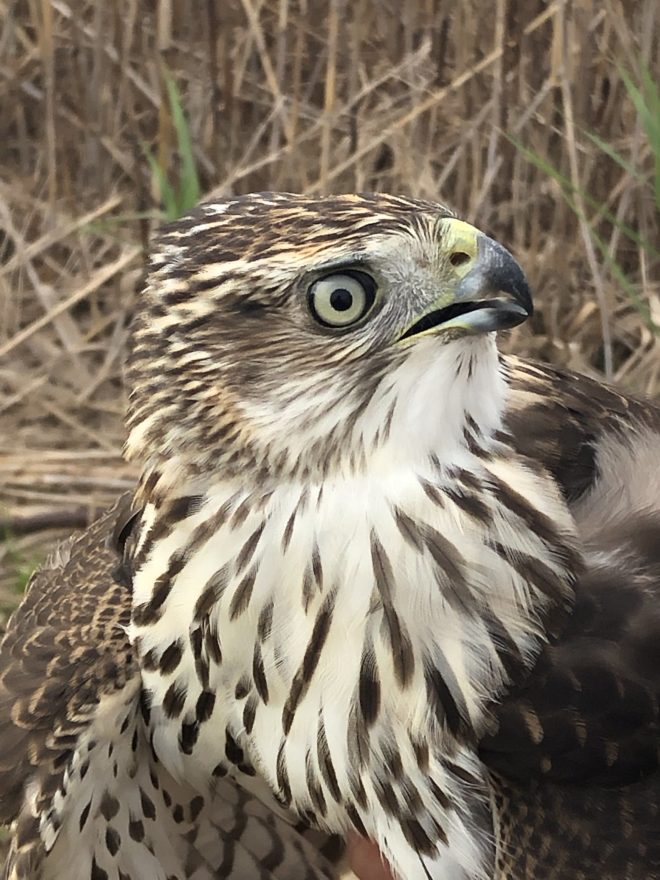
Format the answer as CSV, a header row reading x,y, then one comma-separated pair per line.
x,y
374,578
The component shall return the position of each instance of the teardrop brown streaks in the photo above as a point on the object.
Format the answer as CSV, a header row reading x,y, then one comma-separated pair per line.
x,y
303,676
369,687
403,659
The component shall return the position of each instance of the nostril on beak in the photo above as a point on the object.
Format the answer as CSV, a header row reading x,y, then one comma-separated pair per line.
x,y
459,258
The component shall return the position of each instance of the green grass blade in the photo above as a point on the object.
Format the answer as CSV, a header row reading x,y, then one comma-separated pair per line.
x,y
616,157
167,193
189,189
568,192
647,104
569,189
630,289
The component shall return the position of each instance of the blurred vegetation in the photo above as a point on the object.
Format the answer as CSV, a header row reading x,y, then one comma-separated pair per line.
x,y
539,121
19,566
177,198
645,96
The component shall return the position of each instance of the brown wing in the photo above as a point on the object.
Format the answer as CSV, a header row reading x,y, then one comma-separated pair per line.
x,y
65,647
589,712
576,776
589,709
575,760
559,418
575,752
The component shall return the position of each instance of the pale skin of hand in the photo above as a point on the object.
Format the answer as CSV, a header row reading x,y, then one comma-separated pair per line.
x,y
365,860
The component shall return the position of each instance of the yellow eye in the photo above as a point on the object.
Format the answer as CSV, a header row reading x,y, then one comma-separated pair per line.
x,y
342,299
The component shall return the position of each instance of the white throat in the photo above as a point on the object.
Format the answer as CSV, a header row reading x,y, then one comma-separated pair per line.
x,y
439,392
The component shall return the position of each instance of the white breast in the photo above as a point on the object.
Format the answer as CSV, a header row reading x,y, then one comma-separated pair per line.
x,y
313,621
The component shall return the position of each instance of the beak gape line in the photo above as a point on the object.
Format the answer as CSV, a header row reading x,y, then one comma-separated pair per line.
x,y
494,314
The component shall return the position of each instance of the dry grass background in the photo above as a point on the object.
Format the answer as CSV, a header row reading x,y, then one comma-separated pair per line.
x,y
412,96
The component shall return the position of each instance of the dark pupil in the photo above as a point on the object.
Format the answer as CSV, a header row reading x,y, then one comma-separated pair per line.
x,y
341,299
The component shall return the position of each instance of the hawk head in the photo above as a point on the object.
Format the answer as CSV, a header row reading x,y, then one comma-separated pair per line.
x,y
281,334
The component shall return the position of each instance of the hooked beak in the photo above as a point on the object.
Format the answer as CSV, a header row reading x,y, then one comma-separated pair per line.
x,y
488,291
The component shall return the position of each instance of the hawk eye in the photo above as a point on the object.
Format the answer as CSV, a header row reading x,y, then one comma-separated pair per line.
x,y
342,299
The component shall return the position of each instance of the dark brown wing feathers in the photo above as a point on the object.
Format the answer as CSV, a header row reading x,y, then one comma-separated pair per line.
x,y
558,418
575,751
64,647
589,712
